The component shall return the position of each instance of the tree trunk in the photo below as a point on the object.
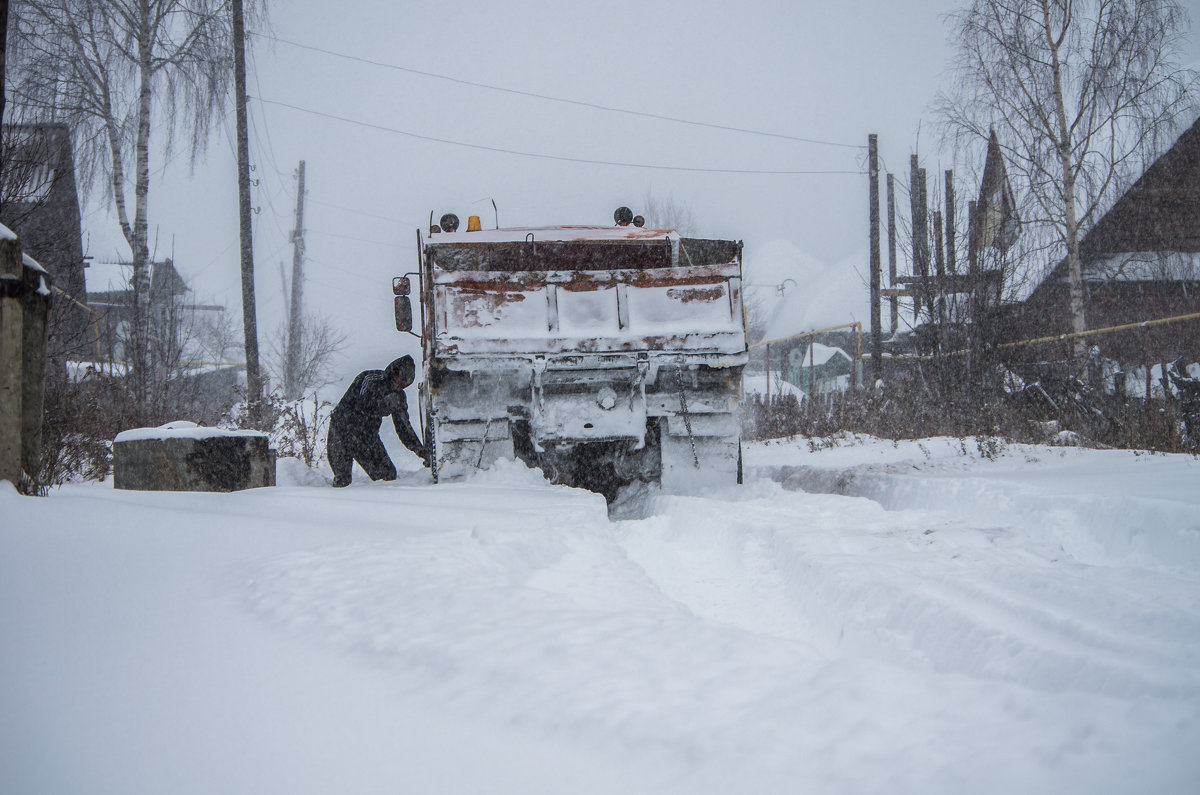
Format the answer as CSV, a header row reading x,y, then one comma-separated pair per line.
x,y
3,50
138,235
1074,269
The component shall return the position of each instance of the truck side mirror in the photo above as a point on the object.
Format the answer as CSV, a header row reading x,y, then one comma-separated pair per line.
x,y
401,285
404,314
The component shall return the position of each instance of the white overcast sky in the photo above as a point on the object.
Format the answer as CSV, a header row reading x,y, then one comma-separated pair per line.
x,y
826,71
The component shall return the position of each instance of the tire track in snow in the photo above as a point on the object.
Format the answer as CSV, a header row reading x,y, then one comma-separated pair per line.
x,y
985,602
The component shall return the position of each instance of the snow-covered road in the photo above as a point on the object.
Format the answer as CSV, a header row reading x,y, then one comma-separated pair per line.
x,y
904,618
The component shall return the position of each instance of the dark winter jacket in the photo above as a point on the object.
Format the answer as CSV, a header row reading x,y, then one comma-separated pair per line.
x,y
371,397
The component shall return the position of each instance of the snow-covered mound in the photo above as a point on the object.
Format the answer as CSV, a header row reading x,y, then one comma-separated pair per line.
x,y
818,296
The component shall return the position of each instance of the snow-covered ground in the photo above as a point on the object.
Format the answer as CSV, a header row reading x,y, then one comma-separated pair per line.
x,y
870,617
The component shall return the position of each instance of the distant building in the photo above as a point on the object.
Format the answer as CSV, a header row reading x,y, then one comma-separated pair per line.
x,y
819,369
110,295
182,382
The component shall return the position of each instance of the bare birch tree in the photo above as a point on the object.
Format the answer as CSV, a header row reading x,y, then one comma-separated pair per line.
x,y
3,55
1082,94
668,213
317,345
112,70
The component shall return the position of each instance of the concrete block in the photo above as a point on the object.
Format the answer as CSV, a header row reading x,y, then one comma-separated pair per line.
x,y
185,457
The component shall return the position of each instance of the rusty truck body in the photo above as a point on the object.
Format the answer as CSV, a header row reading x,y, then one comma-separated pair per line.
x,y
605,356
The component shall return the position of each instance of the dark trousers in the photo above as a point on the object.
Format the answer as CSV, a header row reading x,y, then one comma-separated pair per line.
x,y
348,443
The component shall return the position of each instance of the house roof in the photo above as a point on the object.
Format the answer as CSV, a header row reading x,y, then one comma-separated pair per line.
x,y
1160,212
821,354
114,277
41,204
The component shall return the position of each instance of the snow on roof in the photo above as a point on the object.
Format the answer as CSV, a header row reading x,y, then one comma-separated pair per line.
x,y
758,383
820,354
6,233
31,263
554,234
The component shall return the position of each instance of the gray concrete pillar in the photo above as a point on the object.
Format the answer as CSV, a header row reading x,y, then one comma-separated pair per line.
x,y
11,358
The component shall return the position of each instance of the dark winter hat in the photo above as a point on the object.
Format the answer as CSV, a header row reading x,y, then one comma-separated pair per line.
x,y
402,367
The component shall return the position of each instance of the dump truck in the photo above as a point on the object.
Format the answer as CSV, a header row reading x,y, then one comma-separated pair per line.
x,y
605,356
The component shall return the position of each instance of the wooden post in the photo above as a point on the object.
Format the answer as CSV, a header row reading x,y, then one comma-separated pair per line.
x,y
768,379
951,253
876,309
35,314
891,204
249,312
974,312
920,233
1146,362
11,332
939,259
811,366
295,322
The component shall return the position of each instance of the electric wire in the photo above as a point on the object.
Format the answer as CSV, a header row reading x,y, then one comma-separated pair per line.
x,y
558,158
365,213
356,239
563,100
270,148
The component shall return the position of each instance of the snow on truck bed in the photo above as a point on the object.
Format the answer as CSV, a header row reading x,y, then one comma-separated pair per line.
x,y
867,617
565,234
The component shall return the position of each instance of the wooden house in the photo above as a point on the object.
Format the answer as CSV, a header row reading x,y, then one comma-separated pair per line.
x,y
110,296
1140,264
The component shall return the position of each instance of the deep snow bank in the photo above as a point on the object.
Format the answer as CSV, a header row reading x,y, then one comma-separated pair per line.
x,y
502,635
1103,507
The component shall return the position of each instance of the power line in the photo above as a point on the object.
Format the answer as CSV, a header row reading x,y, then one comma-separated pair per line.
x,y
269,150
352,237
357,211
545,156
534,95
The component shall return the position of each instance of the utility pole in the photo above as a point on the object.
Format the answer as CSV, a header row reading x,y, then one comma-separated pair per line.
x,y
891,210
951,254
291,368
254,390
876,320
920,236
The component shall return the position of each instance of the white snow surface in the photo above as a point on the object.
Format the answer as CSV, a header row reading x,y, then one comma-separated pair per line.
x,y
32,264
553,233
757,382
179,429
922,617
817,354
